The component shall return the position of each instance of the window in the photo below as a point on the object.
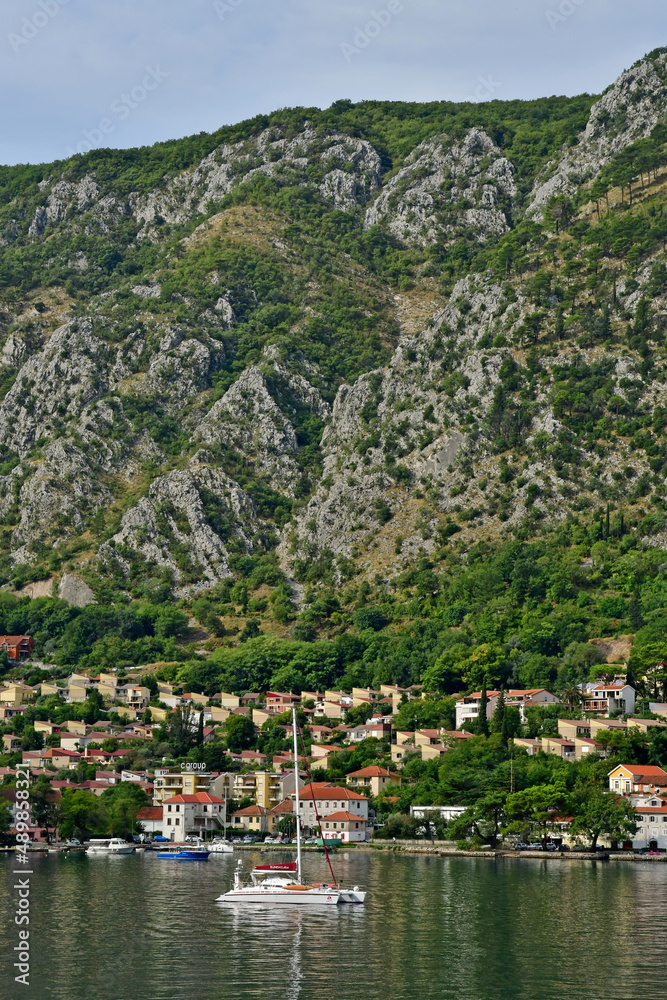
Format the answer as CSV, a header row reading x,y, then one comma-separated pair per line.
x,y
356,826
335,825
617,785
168,808
177,822
327,825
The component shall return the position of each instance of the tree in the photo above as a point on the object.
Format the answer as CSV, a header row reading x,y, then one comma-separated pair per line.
x,y
200,729
498,717
123,801
31,740
82,814
43,804
599,813
5,815
484,819
239,733
535,808
182,729
482,721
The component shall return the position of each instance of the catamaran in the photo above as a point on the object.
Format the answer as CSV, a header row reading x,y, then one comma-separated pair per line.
x,y
283,883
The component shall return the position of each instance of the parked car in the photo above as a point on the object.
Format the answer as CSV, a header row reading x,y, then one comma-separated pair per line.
x,y
535,846
551,847
521,846
161,840
310,840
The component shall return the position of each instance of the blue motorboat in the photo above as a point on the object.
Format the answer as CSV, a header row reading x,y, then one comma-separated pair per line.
x,y
193,854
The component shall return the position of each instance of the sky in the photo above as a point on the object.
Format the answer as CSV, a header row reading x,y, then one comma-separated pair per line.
x,y
78,74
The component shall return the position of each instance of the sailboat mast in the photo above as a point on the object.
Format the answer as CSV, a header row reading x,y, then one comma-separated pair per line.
x,y
296,798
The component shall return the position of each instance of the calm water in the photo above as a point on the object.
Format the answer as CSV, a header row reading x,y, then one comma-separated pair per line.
x,y
136,928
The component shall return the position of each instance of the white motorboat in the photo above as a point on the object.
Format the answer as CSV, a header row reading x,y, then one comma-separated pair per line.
x,y
219,846
283,883
109,845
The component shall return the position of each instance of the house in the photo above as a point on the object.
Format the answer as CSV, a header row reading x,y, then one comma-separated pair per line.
x,y
11,743
559,747
254,819
378,729
279,701
150,818
348,827
169,785
327,708
628,778
531,747
602,699
645,725
250,698
200,813
401,751
265,788
583,746
50,728
228,701
467,708
60,757
329,799
568,729
364,696
253,757
606,725
15,694
373,778
17,647
9,712
651,820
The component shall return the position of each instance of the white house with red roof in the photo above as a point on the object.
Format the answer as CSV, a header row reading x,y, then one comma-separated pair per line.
x,y
345,826
602,699
329,799
198,813
151,819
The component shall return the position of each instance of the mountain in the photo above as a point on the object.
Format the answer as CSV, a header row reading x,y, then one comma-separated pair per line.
x,y
334,352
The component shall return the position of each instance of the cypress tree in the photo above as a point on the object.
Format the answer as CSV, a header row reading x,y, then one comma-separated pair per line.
x,y
200,730
483,722
635,612
498,717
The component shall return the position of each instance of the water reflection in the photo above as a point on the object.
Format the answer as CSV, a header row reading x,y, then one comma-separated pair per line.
x,y
451,929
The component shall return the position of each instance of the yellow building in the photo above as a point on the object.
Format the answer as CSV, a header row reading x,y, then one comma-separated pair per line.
x,y
373,778
185,783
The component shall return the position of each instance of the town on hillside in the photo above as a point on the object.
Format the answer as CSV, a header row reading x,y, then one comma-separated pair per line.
x,y
132,755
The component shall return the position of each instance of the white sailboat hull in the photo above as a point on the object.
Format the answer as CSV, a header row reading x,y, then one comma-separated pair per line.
x,y
278,896
220,848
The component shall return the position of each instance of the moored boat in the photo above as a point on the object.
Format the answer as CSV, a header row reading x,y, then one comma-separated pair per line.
x,y
109,845
184,854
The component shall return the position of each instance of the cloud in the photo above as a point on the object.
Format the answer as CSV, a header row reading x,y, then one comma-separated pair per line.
x,y
231,59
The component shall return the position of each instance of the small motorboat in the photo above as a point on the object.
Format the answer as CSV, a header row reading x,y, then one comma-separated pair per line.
x,y
220,846
184,854
109,845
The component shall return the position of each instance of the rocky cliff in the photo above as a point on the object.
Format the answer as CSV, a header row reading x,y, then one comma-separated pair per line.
x,y
311,342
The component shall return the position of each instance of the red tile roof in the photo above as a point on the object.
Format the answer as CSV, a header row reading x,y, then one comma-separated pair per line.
x,y
251,811
323,790
373,771
196,797
343,816
150,812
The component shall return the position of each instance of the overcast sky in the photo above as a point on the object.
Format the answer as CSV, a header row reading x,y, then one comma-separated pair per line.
x,y
77,73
